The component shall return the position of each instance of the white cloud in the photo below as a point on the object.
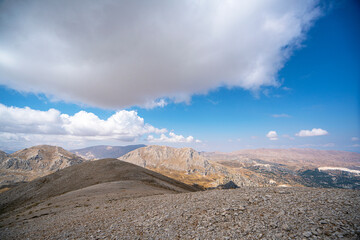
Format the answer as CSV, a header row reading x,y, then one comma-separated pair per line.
x,y
19,125
282,115
313,132
124,53
155,103
173,138
354,139
272,135
286,88
355,145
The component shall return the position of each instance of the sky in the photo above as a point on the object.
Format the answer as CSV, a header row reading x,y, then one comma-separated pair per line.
x,y
212,75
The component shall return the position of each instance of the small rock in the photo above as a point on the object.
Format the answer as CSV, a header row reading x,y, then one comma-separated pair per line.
x,y
286,227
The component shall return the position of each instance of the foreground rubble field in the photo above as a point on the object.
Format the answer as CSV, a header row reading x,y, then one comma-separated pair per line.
x,y
246,213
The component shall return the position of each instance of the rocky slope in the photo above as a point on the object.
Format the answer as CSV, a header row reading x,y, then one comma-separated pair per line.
x,y
245,213
104,151
34,162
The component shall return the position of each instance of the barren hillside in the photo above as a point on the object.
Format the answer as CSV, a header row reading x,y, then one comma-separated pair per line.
x,y
84,175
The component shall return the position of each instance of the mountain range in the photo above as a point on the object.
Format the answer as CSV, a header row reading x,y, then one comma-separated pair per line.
x,y
259,167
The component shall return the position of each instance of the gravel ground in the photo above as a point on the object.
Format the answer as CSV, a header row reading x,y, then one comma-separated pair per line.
x,y
246,213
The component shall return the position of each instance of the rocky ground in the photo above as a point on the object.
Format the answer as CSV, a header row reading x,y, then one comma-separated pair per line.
x,y
246,213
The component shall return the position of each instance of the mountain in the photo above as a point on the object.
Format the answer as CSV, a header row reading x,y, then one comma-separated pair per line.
x,y
34,162
183,164
87,174
104,151
260,167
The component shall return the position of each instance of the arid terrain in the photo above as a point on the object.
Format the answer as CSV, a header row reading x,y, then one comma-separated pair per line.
x,y
117,211
125,199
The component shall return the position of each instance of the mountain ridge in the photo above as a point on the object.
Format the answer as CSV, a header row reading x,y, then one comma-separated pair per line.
x,y
245,168
83,175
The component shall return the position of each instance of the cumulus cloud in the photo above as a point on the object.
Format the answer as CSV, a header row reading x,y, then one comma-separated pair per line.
x,y
173,138
25,124
354,139
272,135
311,133
124,53
282,115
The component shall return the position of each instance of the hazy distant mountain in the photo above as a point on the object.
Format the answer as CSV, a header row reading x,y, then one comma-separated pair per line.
x,y
34,162
103,151
295,157
260,167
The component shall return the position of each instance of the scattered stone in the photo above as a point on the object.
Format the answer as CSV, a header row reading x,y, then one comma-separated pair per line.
x,y
215,214
307,234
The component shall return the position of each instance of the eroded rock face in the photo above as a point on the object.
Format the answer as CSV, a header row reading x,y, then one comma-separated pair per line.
x,y
34,162
179,159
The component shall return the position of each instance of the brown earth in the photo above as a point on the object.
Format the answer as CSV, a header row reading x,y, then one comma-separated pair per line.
x,y
85,175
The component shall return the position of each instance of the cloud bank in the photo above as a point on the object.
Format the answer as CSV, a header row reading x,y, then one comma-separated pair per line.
x,y
21,124
311,133
116,54
172,138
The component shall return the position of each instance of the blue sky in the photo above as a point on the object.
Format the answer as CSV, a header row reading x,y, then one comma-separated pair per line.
x,y
305,92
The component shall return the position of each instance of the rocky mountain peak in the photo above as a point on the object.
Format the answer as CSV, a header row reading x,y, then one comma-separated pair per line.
x,y
37,161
